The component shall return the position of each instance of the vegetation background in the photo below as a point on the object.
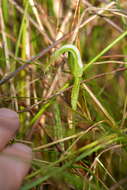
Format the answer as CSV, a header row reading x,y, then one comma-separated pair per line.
x,y
81,149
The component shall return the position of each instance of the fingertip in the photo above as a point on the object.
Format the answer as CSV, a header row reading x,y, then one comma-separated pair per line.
x,y
22,147
15,163
9,124
5,112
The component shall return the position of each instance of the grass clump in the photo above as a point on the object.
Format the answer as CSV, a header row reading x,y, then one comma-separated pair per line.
x,y
72,110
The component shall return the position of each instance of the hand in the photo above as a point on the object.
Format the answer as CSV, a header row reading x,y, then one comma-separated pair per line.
x,y
14,159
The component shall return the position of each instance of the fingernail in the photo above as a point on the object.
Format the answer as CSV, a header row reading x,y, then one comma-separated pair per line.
x,y
22,147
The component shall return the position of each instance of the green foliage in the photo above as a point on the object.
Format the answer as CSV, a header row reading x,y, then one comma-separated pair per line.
x,y
72,111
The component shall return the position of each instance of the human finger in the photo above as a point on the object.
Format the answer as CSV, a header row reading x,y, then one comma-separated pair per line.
x,y
15,162
9,124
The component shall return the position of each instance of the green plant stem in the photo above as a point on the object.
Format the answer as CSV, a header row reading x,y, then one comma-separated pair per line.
x,y
76,67
105,50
